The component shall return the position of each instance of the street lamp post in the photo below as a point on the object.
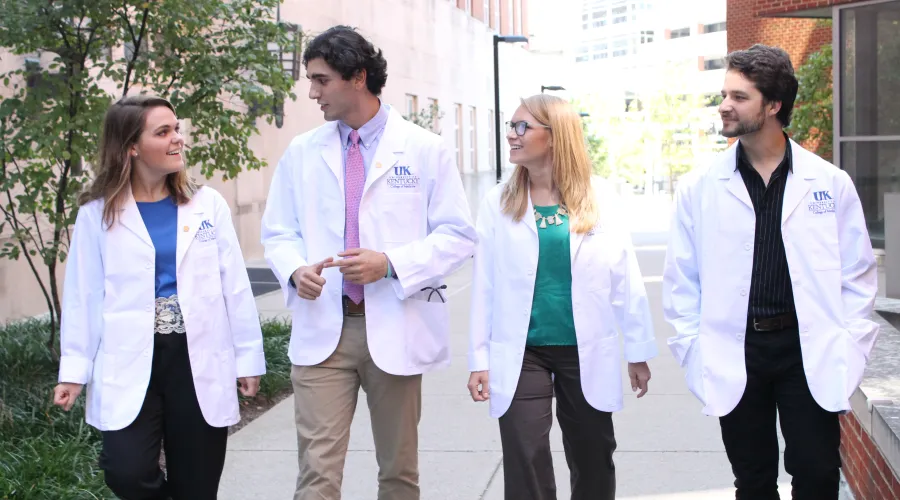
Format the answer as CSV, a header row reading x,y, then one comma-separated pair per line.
x,y
551,87
497,40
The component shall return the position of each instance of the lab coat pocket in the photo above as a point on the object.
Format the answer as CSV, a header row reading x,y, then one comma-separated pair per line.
x,y
427,331
401,217
205,268
694,371
601,372
820,243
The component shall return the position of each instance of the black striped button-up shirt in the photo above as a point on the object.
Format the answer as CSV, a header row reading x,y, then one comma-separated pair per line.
x,y
771,292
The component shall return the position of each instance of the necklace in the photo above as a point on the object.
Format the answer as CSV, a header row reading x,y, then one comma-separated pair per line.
x,y
553,220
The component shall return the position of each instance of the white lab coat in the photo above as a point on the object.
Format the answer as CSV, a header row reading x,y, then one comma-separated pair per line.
x,y
109,310
832,271
413,208
608,297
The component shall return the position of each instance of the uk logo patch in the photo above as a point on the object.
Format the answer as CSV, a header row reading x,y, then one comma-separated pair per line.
x,y
822,203
402,177
206,232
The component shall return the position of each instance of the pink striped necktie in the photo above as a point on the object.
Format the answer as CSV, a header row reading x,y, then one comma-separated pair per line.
x,y
355,179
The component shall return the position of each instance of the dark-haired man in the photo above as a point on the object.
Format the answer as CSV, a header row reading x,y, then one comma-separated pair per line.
x,y
769,282
366,215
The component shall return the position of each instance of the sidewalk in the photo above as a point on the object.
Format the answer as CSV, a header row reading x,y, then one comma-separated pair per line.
x,y
667,450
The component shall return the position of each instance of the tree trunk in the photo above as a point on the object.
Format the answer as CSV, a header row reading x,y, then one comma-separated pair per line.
x,y
55,311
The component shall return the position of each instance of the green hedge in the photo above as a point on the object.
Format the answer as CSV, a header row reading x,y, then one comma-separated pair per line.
x,y
47,453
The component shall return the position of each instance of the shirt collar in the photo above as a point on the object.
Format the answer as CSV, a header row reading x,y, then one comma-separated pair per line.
x,y
369,131
787,163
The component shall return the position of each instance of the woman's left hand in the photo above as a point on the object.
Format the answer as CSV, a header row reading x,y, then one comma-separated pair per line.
x,y
639,373
249,386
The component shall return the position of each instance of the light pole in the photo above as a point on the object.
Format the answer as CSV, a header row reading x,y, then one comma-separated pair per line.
x,y
551,87
497,40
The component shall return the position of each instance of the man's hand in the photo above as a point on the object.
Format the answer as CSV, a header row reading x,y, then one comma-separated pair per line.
x,y
309,280
65,394
249,386
479,386
639,373
361,266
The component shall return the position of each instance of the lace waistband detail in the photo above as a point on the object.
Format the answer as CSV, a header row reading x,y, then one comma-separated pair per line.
x,y
168,316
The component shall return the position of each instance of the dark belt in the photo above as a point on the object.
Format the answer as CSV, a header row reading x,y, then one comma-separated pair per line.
x,y
352,309
773,323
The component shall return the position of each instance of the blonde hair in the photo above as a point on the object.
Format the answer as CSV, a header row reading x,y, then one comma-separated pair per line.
x,y
122,127
571,165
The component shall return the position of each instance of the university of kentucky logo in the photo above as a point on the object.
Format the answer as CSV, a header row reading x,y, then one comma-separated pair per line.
x,y
206,232
402,178
822,203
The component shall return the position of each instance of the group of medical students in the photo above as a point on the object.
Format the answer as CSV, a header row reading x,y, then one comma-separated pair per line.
x,y
769,282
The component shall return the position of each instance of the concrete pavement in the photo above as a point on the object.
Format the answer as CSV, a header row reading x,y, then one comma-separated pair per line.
x,y
667,450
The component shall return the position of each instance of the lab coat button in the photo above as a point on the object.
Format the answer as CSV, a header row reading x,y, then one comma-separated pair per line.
x,y
740,336
743,292
147,266
747,246
147,308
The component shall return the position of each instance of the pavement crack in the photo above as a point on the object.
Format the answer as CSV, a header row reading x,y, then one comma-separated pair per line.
x,y
491,480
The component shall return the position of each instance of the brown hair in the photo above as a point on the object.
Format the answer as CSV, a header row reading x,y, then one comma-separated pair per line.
x,y
122,127
571,165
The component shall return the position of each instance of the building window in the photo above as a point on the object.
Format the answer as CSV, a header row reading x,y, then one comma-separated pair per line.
x,y
714,28
473,138
458,135
412,104
620,47
711,64
867,129
646,37
496,24
486,15
510,17
469,7
434,109
620,14
680,33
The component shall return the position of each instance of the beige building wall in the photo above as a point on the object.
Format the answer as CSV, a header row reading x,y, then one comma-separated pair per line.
x,y
435,49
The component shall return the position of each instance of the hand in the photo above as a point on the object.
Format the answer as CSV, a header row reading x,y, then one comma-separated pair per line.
x,y
361,266
639,373
479,386
309,280
249,386
65,394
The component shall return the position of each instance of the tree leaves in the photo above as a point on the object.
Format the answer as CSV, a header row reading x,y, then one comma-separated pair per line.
x,y
210,60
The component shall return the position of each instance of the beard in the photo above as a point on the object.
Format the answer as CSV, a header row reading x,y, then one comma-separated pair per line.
x,y
746,126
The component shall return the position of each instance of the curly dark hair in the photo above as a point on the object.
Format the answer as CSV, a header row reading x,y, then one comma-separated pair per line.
x,y
348,53
771,71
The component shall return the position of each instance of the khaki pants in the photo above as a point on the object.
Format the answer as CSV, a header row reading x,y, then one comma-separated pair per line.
x,y
325,398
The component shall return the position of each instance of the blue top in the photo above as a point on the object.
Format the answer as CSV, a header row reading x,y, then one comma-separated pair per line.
x,y
161,219
369,136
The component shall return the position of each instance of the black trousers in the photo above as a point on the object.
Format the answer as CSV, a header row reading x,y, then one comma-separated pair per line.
x,y
588,437
195,451
812,435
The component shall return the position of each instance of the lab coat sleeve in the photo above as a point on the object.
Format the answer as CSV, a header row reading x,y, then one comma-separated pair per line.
x,y
630,305
481,312
859,272
681,278
282,239
81,323
240,305
452,237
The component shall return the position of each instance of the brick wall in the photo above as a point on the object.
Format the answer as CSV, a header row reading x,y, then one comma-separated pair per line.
x,y
799,37
869,475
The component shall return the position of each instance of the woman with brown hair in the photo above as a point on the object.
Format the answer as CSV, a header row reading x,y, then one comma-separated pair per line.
x,y
158,317
554,285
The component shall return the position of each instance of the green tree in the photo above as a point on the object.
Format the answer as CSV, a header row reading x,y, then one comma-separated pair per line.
x,y
212,61
812,118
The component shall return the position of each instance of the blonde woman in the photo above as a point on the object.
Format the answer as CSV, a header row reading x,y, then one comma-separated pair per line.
x,y
554,286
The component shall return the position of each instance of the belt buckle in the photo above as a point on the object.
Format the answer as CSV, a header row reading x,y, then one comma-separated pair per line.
x,y
345,302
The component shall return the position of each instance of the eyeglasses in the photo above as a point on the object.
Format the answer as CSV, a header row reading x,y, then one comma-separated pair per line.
x,y
521,126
